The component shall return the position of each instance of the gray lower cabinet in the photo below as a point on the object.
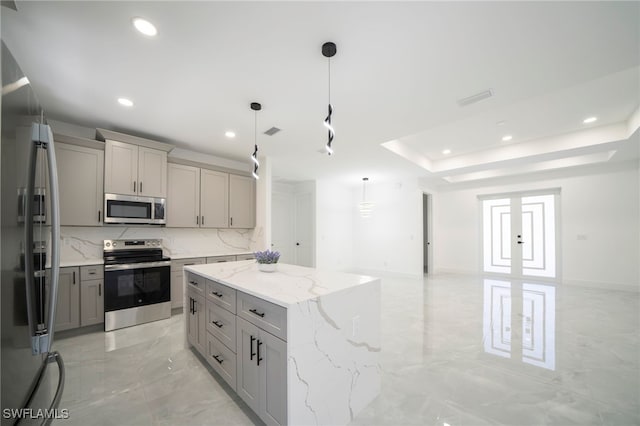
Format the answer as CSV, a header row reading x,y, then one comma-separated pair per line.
x,y
68,306
252,360
262,372
91,302
196,331
177,274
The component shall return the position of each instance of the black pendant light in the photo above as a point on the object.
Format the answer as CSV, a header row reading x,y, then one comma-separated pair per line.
x,y
329,50
255,106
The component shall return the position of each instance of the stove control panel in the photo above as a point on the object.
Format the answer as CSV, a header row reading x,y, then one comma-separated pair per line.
x,y
114,245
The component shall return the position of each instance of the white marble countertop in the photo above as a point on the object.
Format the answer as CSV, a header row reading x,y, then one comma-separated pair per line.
x,y
191,255
100,261
287,286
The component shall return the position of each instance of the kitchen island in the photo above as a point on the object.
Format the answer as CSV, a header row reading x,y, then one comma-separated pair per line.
x,y
300,346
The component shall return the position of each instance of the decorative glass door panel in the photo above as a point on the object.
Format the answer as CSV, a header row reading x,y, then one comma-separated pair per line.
x,y
519,235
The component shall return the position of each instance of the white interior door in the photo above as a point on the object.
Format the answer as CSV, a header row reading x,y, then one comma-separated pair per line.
x,y
519,235
282,226
304,229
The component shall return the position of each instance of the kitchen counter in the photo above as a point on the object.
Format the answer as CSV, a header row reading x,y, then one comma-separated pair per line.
x,y
286,287
331,334
207,254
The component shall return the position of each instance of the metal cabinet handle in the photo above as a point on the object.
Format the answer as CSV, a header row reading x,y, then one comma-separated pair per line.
x,y
74,277
194,283
215,293
259,359
231,221
141,187
217,358
197,220
99,214
134,186
251,348
194,306
203,220
99,289
255,312
217,324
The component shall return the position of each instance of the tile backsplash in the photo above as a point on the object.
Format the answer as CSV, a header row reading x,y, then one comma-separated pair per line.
x,y
85,243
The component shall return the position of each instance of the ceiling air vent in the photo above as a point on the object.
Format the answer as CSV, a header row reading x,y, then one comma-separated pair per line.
x,y
272,131
475,98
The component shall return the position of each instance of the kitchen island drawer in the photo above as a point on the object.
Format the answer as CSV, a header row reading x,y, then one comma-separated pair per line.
x,y
222,324
196,282
266,315
91,272
221,295
222,360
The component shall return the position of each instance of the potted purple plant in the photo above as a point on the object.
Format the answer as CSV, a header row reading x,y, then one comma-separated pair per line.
x,y
267,260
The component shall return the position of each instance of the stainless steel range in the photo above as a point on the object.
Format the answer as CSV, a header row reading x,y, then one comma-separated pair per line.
x,y
137,283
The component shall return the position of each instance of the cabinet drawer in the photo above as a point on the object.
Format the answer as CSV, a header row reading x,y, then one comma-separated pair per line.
x,y
222,360
178,265
221,295
196,283
91,272
266,315
222,324
219,259
247,256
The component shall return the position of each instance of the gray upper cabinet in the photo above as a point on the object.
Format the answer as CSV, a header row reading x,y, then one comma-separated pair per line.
x,y
80,177
134,170
152,172
183,197
214,199
242,202
203,198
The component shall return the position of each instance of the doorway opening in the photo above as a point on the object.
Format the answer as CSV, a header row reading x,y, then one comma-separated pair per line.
x,y
427,252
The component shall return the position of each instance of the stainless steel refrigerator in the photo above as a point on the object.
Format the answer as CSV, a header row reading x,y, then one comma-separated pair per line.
x,y
32,378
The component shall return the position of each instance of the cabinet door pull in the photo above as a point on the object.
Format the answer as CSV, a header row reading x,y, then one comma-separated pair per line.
x,y
99,216
99,289
217,324
74,277
134,186
203,220
255,312
194,306
251,348
259,359
190,305
217,358
215,293
231,221
198,220
194,283
141,187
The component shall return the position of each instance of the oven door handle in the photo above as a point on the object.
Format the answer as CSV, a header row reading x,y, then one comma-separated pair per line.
x,y
137,265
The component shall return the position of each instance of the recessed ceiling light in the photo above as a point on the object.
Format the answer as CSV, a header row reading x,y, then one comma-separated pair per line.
x,y
145,27
125,102
589,120
507,138
230,134
446,151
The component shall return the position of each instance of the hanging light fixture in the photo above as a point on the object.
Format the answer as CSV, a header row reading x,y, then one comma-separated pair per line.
x,y
255,106
329,50
366,208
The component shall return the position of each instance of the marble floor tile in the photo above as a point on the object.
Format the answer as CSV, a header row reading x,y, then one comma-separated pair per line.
x,y
451,355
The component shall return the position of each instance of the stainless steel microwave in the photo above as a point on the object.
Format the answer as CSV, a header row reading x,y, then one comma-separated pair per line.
x,y
130,209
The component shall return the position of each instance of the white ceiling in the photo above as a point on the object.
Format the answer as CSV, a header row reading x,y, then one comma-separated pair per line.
x,y
396,79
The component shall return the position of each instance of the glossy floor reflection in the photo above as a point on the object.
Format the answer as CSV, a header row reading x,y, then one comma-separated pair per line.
x,y
456,350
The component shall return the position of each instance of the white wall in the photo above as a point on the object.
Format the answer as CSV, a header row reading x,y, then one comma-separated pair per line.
x,y
391,239
603,205
335,209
